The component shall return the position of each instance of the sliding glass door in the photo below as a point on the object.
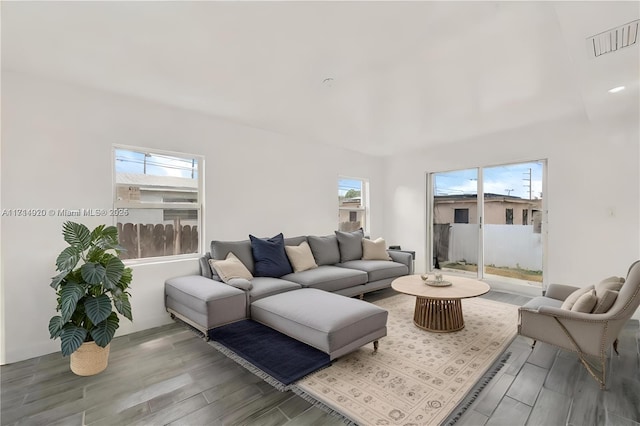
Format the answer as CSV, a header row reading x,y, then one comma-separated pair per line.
x,y
498,234
456,220
512,236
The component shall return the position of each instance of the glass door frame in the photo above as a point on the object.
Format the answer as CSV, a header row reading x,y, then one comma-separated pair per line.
x,y
480,206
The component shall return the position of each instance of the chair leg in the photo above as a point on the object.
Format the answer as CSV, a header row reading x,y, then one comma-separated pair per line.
x,y
615,347
375,346
600,378
533,345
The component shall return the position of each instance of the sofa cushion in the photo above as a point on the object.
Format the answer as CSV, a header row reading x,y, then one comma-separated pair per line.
x,y
374,250
537,302
328,278
377,269
300,257
325,249
573,297
294,241
241,283
206,302
242,250
350,244
269,256
230,268
334,324
268,286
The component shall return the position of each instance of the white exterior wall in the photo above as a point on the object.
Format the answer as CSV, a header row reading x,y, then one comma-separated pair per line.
x,y
504,245
56,153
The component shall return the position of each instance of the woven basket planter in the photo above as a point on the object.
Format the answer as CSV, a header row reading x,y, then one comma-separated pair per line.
x,y
89,359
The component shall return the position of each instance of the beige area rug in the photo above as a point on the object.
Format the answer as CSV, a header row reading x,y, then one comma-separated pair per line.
x,y
416,377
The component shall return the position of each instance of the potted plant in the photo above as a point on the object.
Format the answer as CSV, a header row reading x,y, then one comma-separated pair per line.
x,y
92,281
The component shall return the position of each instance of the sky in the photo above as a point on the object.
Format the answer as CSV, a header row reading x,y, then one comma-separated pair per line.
x,y
513,179
157,165
346,184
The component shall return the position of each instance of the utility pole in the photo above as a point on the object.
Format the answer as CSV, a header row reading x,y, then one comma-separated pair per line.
x,y
529,180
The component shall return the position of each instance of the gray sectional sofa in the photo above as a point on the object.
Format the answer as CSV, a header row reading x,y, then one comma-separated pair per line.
x,y
205,302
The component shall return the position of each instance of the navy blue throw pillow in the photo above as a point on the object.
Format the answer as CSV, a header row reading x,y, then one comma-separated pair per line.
x,y
270,257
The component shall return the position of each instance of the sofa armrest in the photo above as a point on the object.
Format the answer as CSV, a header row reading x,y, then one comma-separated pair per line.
x,y
205,268
559,291
402,257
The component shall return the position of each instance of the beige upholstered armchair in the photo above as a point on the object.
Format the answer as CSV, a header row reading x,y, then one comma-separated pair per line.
x,y
588,334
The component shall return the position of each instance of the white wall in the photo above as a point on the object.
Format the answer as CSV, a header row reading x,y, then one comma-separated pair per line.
x,y
513,246
56,153
592,194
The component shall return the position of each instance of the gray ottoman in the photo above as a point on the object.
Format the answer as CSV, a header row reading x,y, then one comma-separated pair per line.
x,y
329,322
203,302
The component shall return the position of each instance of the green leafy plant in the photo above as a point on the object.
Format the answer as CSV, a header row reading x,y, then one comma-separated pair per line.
x,y
87,293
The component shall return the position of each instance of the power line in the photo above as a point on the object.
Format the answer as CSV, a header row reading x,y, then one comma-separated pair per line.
x,y
529,179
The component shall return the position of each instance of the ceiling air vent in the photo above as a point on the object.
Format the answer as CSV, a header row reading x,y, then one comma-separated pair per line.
x,y
614,39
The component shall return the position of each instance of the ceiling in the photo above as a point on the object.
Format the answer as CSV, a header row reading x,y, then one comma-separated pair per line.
x,y
375,77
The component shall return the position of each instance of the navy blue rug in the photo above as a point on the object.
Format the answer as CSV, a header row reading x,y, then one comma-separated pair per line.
x,y
275,357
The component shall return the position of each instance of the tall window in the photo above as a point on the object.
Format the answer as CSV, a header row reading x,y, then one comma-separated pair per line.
x,y
158,198
353,204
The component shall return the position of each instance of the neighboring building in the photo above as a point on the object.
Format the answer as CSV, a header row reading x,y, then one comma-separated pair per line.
x,y
351,214
162,218
498,210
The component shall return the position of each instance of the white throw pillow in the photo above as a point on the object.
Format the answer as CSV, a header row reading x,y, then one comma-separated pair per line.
x,y
374,250
230,268
573,297
586,302
301,257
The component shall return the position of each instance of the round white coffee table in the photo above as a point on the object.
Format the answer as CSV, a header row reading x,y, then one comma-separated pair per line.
x,y
439,309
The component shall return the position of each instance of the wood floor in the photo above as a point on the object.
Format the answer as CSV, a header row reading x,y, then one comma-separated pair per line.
x,y
168,376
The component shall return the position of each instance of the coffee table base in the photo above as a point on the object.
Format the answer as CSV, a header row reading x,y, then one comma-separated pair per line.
x,y
438,315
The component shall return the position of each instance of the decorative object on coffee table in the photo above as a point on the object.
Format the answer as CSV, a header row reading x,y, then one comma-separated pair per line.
x,y
438,307
88,294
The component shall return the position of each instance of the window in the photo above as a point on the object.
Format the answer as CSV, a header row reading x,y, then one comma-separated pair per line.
x,y
160,197
353,204
461,216
525,217
508,216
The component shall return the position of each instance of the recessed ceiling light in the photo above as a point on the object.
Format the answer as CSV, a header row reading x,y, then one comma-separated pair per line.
x,y
616,89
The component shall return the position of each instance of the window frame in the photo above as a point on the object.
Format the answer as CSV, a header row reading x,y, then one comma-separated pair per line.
x,y
199,205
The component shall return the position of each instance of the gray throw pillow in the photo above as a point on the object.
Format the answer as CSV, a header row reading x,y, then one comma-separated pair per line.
x,y
350,244
325,249
605,302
